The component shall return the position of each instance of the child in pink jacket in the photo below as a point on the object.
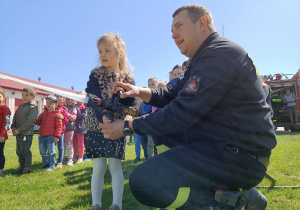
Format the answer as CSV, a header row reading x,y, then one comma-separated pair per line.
x,y
70,128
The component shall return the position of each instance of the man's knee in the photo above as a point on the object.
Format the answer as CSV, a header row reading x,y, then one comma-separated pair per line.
x,y
140,185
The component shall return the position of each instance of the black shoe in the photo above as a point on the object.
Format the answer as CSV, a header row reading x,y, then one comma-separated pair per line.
x,y
18,171
136,160
44,166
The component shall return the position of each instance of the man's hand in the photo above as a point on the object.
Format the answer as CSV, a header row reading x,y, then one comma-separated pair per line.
x,y
131,91
2,139
56,139
128,90
106,120
113,130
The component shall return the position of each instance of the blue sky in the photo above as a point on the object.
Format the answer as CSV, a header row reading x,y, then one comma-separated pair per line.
x,y
56,40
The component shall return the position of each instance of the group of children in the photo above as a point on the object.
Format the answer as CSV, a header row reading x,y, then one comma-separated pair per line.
x,y
65,125
55,121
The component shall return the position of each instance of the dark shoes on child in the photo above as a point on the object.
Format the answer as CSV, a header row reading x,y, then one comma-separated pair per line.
x,y
44,166
95,207
21,170
26,170
111,207
136,160
49,168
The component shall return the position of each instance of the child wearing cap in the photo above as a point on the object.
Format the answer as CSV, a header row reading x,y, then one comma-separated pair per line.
x,y
50,132
22,128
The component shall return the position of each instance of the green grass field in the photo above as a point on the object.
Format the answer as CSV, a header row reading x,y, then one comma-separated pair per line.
x,y
69,188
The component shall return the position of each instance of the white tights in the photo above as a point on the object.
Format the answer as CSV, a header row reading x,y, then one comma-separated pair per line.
x,y
115,167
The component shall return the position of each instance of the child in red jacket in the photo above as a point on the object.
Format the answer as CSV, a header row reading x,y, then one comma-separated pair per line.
x,y
4,124
50,131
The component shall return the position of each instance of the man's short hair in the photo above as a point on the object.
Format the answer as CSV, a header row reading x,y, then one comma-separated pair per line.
x,y
30,90
194,12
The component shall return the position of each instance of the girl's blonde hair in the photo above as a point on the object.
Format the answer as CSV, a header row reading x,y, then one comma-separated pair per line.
x,y
2,92
120,46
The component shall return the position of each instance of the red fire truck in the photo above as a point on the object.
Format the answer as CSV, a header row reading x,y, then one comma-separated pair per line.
x,y
278,84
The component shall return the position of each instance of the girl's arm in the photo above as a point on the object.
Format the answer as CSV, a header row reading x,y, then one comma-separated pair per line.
x,y
58,127
66,116
81,113
73,115
93,86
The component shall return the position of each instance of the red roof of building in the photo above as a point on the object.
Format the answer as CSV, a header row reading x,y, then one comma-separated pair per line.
x,y
14,85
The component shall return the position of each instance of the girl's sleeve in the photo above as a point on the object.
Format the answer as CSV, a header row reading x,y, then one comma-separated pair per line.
x,y
93,86
81,114
58,127
73,115
66,116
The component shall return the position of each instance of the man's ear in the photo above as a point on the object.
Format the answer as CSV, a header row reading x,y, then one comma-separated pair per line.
x,y
202,23
33,97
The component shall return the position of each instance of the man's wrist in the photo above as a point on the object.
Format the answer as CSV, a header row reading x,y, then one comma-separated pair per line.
x,y
130,125
126,129
145,94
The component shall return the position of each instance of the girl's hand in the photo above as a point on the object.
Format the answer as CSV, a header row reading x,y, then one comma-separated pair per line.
x,y
106,120
59,116
16,132
127,89
113,130
2,139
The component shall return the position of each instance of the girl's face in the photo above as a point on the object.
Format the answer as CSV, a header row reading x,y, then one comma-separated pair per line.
x,y
69,101
1,99
60,100
177,72
109,56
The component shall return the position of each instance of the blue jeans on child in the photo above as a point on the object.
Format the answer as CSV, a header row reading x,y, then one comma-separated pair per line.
x,y
137,144
60,148
47,150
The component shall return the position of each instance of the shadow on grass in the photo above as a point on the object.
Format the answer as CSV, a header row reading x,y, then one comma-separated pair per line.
x,y
80,177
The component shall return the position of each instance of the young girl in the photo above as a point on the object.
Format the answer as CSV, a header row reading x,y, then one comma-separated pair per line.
x,y
64,116
4,124
114,67
78,139
70,128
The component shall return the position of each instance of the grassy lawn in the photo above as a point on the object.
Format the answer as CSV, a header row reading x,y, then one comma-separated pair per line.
x,y
69,188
